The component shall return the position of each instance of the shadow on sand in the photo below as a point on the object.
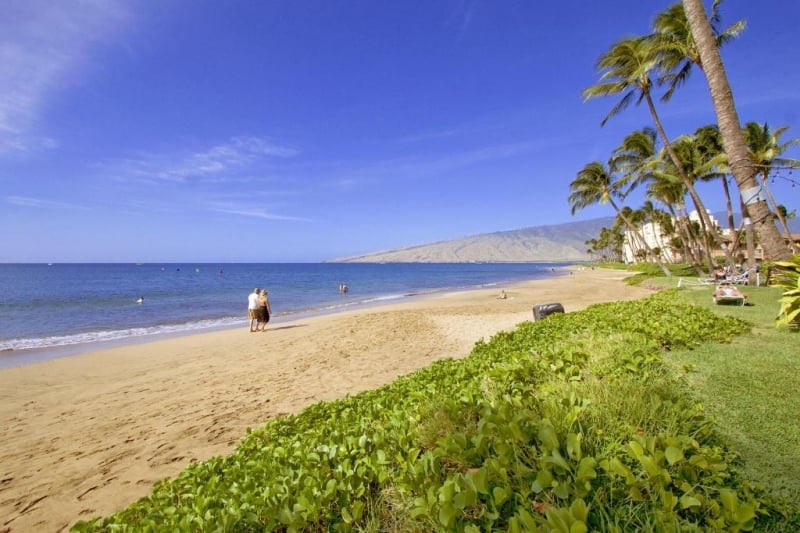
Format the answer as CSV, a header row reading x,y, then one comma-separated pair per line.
x,y
287,327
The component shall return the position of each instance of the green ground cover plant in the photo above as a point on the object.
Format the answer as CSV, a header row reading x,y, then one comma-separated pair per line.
x,y
570,424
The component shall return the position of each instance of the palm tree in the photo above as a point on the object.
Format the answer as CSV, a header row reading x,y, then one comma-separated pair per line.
x,y
627,69
671,192
636,241
710,144
676,47
709,162
678,52
608,245
633,161
709,147
637,160
695,168
729,126
633,158
595,184
765,151
659,219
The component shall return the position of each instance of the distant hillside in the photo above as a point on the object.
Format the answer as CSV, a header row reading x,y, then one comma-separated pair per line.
x,y
559,242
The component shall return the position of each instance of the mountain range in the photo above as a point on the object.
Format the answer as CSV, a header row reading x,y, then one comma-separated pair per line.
x,y
558,242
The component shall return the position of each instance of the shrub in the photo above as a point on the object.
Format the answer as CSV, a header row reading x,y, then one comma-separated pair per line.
x,y
787,277
572,423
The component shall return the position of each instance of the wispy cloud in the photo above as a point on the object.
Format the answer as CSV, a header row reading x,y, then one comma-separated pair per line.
x,y
235,154
346,176
461,16
42,46
39,203
423,167
428,136
258,213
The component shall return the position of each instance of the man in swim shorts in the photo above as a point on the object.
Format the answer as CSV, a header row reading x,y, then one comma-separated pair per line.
x,y
252,309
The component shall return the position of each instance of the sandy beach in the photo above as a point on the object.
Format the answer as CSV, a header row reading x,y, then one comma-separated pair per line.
x,y
87,435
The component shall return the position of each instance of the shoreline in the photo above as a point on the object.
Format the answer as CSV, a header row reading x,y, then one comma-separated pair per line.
x,y
14,357
89,434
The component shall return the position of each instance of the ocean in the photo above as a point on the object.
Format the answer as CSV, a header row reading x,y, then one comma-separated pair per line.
x,y
57,310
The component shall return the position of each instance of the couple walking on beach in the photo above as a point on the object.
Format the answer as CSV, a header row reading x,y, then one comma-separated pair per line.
x,y
258,309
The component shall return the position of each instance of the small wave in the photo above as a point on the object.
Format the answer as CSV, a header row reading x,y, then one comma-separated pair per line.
x,y
385,298
19,344
339,306
111,335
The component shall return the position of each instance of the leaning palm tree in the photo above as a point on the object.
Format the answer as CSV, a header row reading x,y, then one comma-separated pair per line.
x,y
765,151
677,50
670,191
685,148
702,166
659,221
595,184
709,147
665,188
728,119
638,161
632,158
627,69
639,246
634,161
678,53
709,143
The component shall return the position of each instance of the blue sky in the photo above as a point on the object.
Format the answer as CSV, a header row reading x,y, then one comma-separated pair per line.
x,y
308,130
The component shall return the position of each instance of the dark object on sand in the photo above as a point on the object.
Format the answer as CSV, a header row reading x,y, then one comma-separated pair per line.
x,y
544,310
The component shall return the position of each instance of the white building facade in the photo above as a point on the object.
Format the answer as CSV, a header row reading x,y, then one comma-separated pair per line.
x,y
654,238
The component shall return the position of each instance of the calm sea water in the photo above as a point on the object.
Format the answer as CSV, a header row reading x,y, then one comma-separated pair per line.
x,y
81,305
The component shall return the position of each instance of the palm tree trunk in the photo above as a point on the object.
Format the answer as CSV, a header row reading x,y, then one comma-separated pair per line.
x,y
751,246
685,238
786,231
730,129
728,203
737,237
693,259
705,231
691,239
731,223
705,221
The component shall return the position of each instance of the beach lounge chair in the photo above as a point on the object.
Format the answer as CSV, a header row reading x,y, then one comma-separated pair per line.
x,y
741,279
692,282
727,293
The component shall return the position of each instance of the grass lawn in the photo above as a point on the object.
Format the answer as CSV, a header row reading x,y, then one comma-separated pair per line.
x,y
751,388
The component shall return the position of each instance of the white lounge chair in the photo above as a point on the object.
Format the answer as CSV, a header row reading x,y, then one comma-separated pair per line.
x,y
741,279
726,293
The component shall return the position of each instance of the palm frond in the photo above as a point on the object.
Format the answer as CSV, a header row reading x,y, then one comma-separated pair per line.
x,y
603,89
731,32
675,80
622,104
